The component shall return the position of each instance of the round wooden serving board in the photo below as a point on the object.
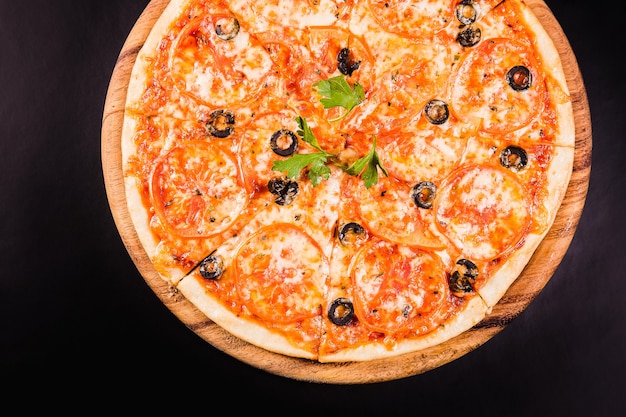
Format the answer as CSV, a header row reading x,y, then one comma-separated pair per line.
x,y
535,276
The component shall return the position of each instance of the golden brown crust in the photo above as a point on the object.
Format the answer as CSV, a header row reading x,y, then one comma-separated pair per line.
x,y
471,315
239,326
560,168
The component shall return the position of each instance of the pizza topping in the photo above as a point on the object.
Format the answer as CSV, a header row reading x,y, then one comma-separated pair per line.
x,y
469,268
298,13
254,143
423,194
204,65
351,233
467,11
396,286
284,189
484,210
339,51
513,157
389,212
414,18
196,189
336,92
341,311
367,167
462,280
519,78
469,36
280,272
211,267
409,75
436,112
221,123
345,62
316,161
227,28
284,142
481,90
422,153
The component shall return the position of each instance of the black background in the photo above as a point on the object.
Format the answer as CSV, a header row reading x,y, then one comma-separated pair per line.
x,y
77,319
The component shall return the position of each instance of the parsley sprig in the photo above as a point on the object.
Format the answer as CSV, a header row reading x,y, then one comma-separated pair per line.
x,y
316,160
336,92
365,167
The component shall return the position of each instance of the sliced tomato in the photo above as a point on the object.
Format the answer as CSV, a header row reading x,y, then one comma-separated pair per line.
x,y
421,155
500,107
389,212
410,76
280,274
299,13
282,49
484,210
396,286
326,44
255,153
196,189
214,68
420,19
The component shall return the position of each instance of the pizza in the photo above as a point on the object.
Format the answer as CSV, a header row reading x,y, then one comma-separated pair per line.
x,y
345,180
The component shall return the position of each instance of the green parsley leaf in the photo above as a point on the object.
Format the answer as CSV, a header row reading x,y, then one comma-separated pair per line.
x,y
336,92
316,161
306,133
296,163
318,170
367,167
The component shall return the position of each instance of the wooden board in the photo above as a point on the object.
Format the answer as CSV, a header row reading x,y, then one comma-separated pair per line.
x,y
535,276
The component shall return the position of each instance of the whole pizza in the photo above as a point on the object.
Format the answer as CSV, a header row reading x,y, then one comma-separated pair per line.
x,y
345,180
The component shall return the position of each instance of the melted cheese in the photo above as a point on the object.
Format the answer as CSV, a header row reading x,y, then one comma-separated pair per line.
x,y
278,259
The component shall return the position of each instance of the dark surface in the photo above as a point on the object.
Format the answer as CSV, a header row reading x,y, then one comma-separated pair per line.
x,y
74,308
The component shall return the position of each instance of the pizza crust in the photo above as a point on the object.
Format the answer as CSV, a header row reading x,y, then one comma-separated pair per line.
x,y
141,68
472,314
559,91
558,178
559,172
240,327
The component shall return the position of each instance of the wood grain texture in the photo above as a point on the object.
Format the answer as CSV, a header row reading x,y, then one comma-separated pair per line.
x,y
533,279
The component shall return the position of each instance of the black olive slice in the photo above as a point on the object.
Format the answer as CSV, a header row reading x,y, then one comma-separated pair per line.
x,y
423,194
469,36
227,28
519,78
513,157
284,189
284,142
463,282
460,284
221,123
471,270
345,64
350,233
211,267
467,12
341,311
436,112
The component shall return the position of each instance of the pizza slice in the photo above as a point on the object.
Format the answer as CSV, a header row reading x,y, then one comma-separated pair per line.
x,y
385,298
